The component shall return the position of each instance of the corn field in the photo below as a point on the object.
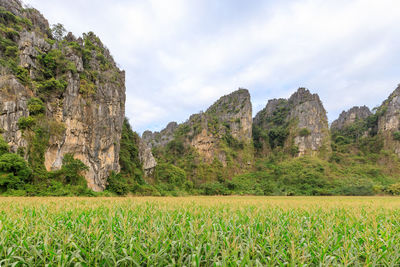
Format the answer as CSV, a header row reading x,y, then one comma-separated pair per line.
x,y
200,231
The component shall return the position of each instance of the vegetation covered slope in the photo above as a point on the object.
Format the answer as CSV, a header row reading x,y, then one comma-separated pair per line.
x,y
59,96
294,153
62,103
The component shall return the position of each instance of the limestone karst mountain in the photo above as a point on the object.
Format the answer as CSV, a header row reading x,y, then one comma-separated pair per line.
x,y
389,121
77,82
298,125
220,136
62,103
346,118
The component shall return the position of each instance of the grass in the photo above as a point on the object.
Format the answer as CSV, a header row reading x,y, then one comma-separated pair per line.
x,y
200,231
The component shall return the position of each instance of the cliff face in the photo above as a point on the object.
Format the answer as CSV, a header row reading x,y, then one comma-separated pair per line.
x,y
228,118
346,118
77,79
312,131
160,138
389,121
146,158
298,125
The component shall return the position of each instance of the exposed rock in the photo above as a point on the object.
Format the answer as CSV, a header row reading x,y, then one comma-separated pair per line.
x,y
160,138
91,119
146,158
235,110
13,105
389,121
230,116
301,121
309,113
14,6
263,117
347,118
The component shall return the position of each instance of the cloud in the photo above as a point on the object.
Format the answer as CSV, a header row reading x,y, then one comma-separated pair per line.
x,y
182,55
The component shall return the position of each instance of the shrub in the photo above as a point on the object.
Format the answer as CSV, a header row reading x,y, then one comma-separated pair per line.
x,y
394,189
52,85
14,171
25,123
35,106
131,166
4,148
72,170
215,188
277,136
170,174
117,185
22,75
11,51
304,132
396,136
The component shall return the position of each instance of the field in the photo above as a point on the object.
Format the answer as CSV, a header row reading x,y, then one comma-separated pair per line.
x,y
200,231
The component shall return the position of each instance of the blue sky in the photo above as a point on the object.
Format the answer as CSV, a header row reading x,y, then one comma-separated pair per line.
x,y
182,55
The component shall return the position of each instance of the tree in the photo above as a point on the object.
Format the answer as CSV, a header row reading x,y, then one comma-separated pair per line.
x,y
72,170
58,31
4,148
14,171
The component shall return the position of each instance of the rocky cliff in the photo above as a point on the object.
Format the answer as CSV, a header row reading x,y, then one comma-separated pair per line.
x,y
160,138
225,125
346,118
146,158
298,125
389,121
79,84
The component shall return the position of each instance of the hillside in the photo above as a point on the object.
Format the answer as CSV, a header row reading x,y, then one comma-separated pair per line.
x,y
60,95
64,131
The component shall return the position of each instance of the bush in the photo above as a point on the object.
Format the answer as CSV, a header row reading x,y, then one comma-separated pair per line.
x,y
131,166
170,174
304,132
72,171
396,136
357,187
14,172
22,75
117,185
35,106
26,123
4,148
215,188
52,85
394,189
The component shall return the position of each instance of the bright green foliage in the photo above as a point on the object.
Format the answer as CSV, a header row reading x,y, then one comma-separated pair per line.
x,y
129,153
35,106
93,49
118,184
4,148
14,172
71,171
131,176
52,85
170,174
25,123
394,189
200,231
53,63
277,125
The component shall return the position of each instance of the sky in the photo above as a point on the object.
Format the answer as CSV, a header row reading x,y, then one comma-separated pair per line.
x,y
180,56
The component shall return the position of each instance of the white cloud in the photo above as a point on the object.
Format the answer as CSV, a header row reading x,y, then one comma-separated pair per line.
x,y
180,56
